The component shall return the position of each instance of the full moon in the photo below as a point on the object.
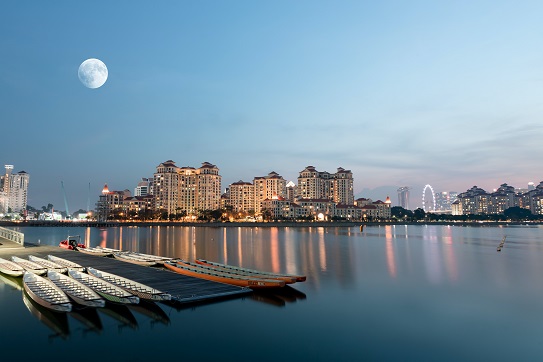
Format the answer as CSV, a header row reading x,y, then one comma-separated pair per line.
x,y
92,73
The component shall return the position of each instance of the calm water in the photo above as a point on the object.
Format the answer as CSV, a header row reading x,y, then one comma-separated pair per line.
x,y
387,293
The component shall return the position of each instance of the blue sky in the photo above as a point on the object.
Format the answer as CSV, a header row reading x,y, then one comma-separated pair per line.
x,y
400,92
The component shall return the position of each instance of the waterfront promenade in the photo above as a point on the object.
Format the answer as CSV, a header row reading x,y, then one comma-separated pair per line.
x,y
178,223
39,223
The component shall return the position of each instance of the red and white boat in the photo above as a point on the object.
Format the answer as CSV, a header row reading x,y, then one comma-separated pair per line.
x,y
72,243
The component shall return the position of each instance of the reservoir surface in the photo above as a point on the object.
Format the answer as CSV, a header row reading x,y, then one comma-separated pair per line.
x,y
385,293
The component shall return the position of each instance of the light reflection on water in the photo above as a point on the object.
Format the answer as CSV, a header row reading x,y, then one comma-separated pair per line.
x,y
313,250
389,292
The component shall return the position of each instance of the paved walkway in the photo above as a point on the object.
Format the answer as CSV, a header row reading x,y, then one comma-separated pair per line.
x,y
8,245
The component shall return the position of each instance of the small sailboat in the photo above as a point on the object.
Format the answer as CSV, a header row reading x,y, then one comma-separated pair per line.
x,y
50,265
46,293
156,258
141,290
78,292
129,258
237,269
30,265
217,276
111,250
10,268
95,251
243,272
66,263
107,290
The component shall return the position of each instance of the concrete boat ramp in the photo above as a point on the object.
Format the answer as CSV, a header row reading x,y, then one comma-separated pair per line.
x,y
183,289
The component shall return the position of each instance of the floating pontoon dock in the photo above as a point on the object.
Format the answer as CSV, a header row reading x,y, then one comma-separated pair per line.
x,y
183,289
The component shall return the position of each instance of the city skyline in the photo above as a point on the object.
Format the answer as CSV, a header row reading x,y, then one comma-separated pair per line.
x,y
402,94
438,197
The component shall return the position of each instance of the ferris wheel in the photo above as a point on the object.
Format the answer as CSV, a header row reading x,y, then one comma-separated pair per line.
x,y
427,205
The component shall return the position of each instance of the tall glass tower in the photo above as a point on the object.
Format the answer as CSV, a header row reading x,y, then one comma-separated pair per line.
x,y
403,197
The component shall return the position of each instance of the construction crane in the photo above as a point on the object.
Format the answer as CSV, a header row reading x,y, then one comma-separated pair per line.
x,y
88,199
65,200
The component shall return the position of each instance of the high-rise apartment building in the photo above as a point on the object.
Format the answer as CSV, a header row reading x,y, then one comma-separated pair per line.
x,y
532,199
166,187
268,187
208,187
342,187
403,197
313,184
186,189
242,196
338,187
110,203
13,190
478,201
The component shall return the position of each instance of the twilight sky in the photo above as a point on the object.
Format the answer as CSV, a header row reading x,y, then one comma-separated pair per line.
x,y
403,93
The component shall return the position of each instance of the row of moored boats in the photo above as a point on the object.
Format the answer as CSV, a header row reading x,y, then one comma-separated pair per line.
x,y
201,268
45,282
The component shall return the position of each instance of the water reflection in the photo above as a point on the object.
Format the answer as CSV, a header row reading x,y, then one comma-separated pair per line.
x,y
89,318
152,311
391,262
13,283
121,314
439,254
279,250
414,285
278,297
57,322
450,259
344,255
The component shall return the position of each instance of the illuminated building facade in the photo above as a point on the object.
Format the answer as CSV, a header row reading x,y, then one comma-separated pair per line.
x,y
111,204
13,191
166,187
342,187
242,196
478,201
208,187
268,187
532,199
338,187
186,189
